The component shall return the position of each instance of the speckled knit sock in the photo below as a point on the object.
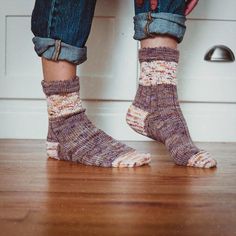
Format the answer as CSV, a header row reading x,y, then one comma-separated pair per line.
x,y
156,113
73,137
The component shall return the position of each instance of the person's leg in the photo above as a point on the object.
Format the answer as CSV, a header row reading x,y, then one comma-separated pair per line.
x,y
61,29
159,41
155,111
61,70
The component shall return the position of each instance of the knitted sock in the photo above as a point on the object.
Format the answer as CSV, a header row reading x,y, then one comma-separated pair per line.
x,y
73,137
156,113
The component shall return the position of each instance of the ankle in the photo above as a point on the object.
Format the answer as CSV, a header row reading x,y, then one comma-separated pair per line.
x,y
58,70
159,41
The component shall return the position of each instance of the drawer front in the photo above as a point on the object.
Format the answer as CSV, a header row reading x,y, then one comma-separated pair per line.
x,y
204,81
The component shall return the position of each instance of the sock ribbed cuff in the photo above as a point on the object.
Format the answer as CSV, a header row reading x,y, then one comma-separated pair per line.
x,y
158,53
61,86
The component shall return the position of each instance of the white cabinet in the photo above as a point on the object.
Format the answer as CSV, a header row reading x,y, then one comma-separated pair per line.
x,y
109,77
213,22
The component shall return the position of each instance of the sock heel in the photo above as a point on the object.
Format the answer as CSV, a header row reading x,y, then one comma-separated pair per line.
x,y
135,118
52,149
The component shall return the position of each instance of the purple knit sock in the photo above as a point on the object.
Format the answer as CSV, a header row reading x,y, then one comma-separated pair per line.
x,y
73,137
155,111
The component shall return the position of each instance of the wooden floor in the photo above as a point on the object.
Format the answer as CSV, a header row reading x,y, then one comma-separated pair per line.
x,y
49,197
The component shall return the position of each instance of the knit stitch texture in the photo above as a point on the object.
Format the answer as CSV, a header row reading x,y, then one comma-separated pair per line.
x,y
73,137
155,111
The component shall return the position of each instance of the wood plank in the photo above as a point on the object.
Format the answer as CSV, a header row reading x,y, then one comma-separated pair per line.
x,y
48,197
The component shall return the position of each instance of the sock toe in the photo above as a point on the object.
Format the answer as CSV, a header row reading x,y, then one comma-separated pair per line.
x,y
132,159
202,160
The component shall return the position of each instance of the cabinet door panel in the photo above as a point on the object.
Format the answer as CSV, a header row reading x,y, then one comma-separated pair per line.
x,y
200,80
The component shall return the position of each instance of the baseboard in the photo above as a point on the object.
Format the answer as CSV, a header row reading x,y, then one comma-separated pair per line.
x,y
27,119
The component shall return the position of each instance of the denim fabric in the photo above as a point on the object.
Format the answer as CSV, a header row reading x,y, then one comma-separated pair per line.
x,y
167,19
61,28
56,50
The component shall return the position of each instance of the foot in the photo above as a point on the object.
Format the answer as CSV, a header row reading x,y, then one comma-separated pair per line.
x,y
156,113
73,137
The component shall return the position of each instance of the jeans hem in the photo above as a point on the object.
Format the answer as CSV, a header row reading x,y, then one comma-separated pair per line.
x,y
56,50
148,24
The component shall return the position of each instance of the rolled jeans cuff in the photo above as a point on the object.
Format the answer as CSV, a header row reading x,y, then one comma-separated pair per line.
x,y
147,25
56,50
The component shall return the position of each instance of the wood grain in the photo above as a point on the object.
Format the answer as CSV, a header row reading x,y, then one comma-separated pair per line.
x,y
40,196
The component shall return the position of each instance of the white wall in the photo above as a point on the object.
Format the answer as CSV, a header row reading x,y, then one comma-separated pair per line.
x,y
109,77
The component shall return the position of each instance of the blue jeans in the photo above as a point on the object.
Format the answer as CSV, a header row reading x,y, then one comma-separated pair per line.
x,y
61,27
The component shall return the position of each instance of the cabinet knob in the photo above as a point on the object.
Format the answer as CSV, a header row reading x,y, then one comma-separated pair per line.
x,y
219,53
